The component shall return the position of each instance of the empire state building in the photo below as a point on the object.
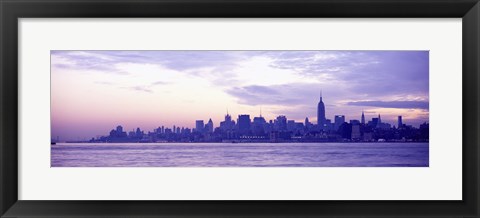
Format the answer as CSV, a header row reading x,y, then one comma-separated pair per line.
x,y
321,114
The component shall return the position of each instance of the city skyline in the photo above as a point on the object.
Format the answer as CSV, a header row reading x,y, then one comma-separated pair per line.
x,y
363,119
281,129
93,91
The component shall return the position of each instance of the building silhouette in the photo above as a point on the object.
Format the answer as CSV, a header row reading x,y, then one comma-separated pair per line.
x,y
259,125
339,120
199,126
243,123
363,118
321,114
209,126
279,129
280,124
228,124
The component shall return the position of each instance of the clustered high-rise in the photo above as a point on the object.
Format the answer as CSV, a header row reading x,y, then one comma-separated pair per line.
x,y
279,129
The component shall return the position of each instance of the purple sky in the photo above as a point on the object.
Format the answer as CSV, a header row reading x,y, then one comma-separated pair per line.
x,y
93,91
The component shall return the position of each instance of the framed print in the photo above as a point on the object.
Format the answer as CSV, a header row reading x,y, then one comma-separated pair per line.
x,y
224,108
269,139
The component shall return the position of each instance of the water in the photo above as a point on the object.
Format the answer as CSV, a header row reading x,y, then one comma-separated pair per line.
x,y
239,155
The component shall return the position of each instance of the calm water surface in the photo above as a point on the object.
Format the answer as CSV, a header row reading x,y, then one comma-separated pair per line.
x,y
240,155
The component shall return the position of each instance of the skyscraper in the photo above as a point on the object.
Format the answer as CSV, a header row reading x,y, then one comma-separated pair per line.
x,y
228,124
363,118
321,114
199,126
258,125
209,126
243,123
400,122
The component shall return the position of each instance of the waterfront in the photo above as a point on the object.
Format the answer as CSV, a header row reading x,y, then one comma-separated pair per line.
x,y
240,155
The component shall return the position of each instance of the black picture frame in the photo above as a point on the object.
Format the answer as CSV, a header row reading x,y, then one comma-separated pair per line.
x,y
12,10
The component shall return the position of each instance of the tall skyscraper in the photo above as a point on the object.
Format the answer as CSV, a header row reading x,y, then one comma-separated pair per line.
x,y
363,118
321,113
400,122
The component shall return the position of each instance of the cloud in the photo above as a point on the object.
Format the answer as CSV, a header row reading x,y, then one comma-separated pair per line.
x,y
160,83
104,83
392,104
290,95
371,73
106,61
85,60
139,89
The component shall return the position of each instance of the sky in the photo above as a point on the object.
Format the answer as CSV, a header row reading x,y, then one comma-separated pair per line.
x,y
94,91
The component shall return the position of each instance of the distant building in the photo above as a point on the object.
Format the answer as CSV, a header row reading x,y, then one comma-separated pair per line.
x,y
373,123
321,114
400,122
363,118
356,134
118,132
424,130
328,124
209,126
354,122
168,131
243,123
228,124
119,129
199,126
280,124
308,125
138,133
339,120
290,125
258,125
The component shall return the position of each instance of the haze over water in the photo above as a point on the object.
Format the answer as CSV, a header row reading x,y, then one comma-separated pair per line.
x,y
240,155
